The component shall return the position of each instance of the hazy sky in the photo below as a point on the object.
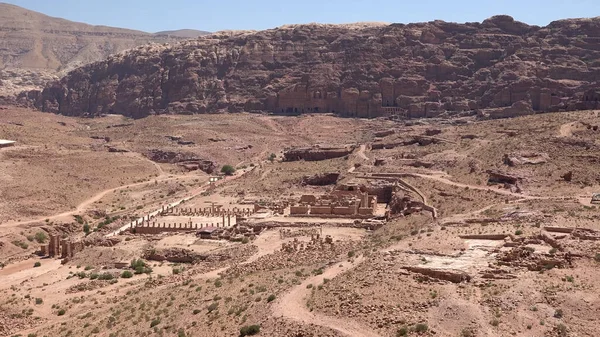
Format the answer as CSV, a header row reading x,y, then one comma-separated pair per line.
x,y
213,15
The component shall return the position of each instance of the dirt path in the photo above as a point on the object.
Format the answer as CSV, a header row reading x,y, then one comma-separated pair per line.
x,y
473,187
82,207
361,152
293,304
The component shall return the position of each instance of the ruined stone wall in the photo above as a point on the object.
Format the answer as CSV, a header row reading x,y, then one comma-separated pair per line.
x,y
365,211
320,210
298,210
348,210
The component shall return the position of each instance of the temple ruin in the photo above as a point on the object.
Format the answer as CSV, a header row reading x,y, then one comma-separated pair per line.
x,y
338,203
64,248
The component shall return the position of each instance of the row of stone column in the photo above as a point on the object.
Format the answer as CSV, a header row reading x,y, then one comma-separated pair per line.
x,y
186,225
225,222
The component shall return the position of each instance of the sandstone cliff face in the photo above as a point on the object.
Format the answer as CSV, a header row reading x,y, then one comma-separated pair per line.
x,y
416,70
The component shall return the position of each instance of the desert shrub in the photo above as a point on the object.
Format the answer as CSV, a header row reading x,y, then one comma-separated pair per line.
x,y
245,240
86,228
41,237
597,257
518,232
155,322
272,157
562,330
126,274
228,170
176,271
61,312
495,322
271,298
558,313
106,276
467,332
196,311
212,306
421,327
351,253
37,264
20,244
218,283
403,331
39,301
249,330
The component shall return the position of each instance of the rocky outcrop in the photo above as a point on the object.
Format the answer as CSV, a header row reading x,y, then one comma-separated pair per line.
x,y
322,179
497,177
363,70
188,161
317,153
454,276
531,158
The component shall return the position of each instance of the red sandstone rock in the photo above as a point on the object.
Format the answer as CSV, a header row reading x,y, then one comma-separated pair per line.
x,y
502,66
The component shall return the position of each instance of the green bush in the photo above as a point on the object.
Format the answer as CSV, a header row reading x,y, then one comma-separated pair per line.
x,y
106,276
228,170
249,330
39,301
403,331
196,311
41,237
79,219
86,228
518,232
245,240
127,274
271,298
61,312
272,157
421,327
37,264
20,244
155,322
212,306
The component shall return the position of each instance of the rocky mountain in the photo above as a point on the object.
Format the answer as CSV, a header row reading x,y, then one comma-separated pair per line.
x,y
498,68
32,43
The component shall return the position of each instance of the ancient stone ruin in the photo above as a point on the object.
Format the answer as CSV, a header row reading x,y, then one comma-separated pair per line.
x,y
64,248
338,203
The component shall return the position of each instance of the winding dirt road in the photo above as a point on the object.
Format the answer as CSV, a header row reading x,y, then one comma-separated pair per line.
x,y
293,304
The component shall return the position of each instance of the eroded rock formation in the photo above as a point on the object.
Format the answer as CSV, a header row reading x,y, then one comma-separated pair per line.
x,y
188,161
317,153
499,67
322,179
